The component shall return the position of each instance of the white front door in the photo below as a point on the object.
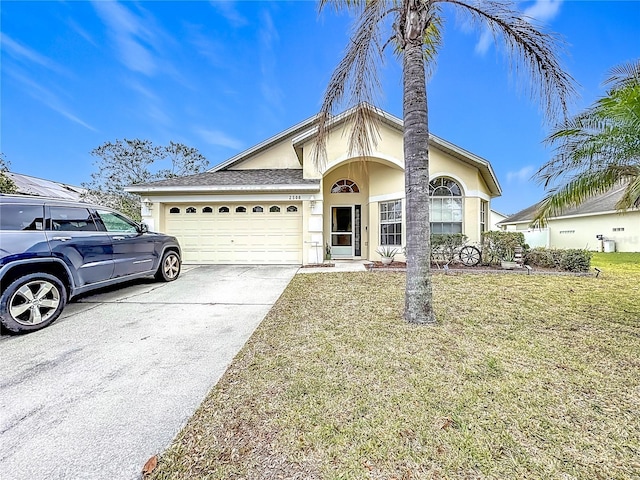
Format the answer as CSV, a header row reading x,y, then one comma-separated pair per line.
x,y
342,238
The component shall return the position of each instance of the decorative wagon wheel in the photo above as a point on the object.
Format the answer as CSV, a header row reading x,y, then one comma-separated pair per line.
x,y
470,256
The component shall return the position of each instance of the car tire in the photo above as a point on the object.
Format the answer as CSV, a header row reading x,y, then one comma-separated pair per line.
x,y
32,302
169,268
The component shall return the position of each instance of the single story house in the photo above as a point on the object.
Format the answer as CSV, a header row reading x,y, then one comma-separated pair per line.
x,y
270,204
594,225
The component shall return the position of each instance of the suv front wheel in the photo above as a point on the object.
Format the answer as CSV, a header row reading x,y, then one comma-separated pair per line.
x,y
169,268
32,302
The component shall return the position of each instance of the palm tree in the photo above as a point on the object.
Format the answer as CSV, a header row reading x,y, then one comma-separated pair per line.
x,y
597,149
413,27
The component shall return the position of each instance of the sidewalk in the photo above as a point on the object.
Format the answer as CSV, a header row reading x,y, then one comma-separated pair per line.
x,y
338,266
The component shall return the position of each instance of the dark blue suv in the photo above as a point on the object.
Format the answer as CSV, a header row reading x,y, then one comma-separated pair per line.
x,y
52,250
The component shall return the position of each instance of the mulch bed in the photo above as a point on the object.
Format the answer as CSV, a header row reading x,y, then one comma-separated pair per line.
x,y
459,268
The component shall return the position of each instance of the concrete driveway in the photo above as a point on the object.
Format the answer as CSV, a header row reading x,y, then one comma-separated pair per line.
x,y
113,381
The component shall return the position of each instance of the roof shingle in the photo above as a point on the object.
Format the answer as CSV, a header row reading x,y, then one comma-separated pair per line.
x,y
236,178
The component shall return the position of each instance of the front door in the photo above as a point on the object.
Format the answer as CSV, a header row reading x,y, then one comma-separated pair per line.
x,y
345,231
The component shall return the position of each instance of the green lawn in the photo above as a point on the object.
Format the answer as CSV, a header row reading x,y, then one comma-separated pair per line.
x,y
523,377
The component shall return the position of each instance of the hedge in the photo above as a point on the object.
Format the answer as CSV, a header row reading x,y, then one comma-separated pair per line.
x,y
570,260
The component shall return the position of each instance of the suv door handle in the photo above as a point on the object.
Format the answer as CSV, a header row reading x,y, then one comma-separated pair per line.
x,y
118,237
62,239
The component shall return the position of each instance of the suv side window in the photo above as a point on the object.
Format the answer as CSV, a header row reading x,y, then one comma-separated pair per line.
x,y
117,223
21,217
71,219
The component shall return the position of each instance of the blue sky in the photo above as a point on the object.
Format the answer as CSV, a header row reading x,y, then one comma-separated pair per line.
x,y
223,76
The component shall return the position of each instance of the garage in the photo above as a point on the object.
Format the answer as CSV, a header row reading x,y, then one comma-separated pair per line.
x,y
237,233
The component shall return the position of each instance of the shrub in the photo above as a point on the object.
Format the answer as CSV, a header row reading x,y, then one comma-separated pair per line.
x,y
497,245
543,258
445,246
574,260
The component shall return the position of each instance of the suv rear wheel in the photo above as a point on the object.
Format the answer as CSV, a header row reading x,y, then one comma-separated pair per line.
x,y
32,302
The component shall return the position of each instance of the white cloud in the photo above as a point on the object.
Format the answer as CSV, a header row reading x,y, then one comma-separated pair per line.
x,y
541,11
218,138
131,35
269,84
522,175
484,43
228,10
48,98
21,53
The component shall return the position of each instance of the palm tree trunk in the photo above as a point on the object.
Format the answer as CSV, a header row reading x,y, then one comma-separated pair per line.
x,y
418,296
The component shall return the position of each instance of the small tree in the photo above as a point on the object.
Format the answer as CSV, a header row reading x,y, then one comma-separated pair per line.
x,y
7,185
596,149
128,162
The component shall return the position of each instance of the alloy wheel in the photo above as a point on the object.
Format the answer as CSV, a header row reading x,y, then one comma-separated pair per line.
x,y
34,302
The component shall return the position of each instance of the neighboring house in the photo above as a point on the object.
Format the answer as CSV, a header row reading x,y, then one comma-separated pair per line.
x,y
269,204
594,225
44,188
496,218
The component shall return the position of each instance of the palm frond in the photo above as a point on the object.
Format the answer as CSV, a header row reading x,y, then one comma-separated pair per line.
x,y
624,75
356,74
575,192
528,47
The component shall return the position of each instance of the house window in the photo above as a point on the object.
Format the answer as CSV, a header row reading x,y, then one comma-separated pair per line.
x,y
274,209
207,210
174,210
483,215
258,209
292,209
190,210
345,186
223,210
391,223
618,229
445,210
241,209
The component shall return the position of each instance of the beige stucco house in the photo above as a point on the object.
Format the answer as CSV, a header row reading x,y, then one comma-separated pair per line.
x,y
594,225
269,204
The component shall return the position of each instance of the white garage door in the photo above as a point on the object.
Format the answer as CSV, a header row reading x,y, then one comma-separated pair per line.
x,y
237,233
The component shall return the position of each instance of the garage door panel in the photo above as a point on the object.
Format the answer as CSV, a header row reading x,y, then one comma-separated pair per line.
x,y
235,237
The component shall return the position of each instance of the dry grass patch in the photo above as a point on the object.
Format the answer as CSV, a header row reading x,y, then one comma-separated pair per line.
x,y
523,377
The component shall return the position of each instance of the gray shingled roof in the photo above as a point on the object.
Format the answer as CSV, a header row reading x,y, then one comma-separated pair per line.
x,y
236,178
603,203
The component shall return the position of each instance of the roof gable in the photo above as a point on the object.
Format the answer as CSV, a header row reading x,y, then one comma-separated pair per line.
x,y
304,132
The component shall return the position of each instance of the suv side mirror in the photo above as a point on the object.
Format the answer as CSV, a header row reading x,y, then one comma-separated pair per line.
x,y
144,228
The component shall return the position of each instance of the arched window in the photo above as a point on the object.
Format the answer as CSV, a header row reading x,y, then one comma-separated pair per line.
x,y
292,209
190,210
174,210
241,209
345,186
223,210
258,209
445,209
274,209
207,210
